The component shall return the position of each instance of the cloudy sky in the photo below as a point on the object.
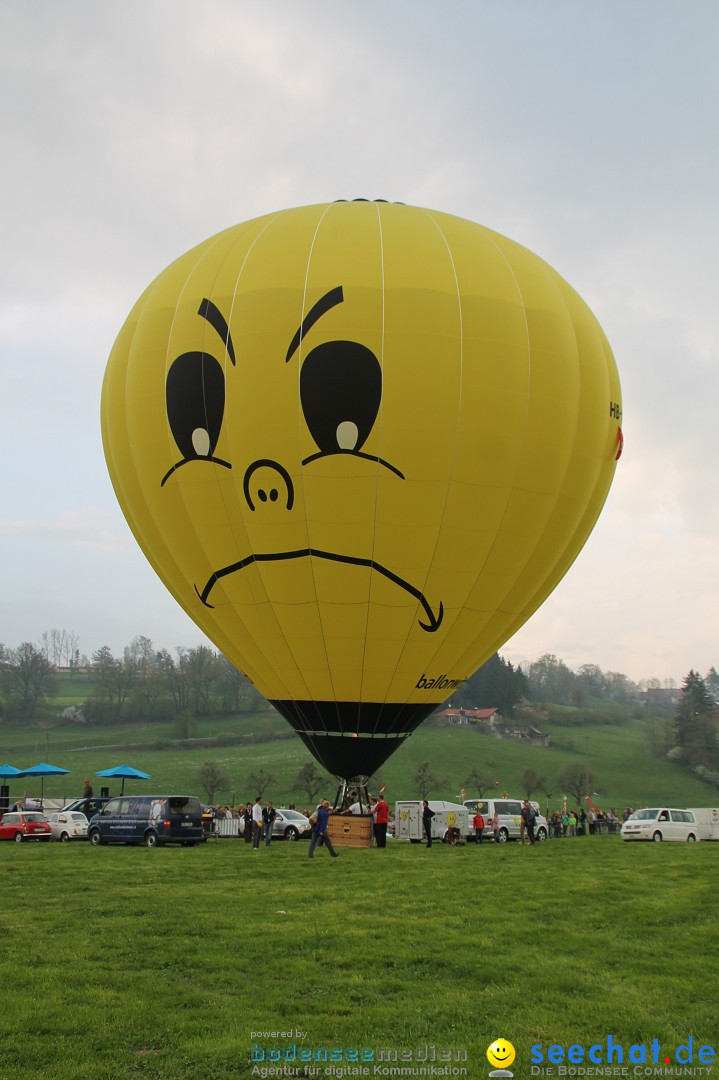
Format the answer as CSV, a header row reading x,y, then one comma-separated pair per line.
x,y
586,131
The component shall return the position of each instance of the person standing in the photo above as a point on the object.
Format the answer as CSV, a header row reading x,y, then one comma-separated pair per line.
x,y
257,823
478,826
247,820
319,831
380,813
530,816
268,816
427,816
87,793
495,826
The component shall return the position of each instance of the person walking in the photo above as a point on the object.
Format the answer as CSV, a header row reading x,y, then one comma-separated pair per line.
x,y
427,816
319,831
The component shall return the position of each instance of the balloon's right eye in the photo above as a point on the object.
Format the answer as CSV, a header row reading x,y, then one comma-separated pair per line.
x,y
195,400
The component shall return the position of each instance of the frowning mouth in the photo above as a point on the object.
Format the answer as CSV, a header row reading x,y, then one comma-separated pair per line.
x,y
433,620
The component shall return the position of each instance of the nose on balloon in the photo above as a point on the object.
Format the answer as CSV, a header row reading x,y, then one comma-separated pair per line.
x,y
266,482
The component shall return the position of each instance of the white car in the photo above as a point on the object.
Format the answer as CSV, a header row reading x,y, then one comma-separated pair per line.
x,y
661,823
68,825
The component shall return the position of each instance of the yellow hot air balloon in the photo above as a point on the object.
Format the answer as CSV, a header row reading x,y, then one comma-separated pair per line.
x,y
360,443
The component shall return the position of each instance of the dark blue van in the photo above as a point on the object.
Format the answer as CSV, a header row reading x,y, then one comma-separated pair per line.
x,y
148,820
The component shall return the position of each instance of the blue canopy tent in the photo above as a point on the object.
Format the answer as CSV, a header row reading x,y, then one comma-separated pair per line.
x,y
123,772
42,770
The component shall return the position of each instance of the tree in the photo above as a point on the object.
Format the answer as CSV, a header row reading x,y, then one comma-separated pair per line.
x,y
212,777
480,782
238,693
200,669
30,678
423,779
115,678
310,779
695,721
711,681
532,781
260,780
550,680
577,780
497,684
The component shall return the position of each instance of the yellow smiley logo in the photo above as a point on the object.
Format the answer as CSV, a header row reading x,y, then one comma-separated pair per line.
x,y
500,1054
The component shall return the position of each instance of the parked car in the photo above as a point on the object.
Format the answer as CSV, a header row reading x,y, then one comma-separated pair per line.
x,y
68,825
290,825
509,812
151,820
88,807
24,825
661,823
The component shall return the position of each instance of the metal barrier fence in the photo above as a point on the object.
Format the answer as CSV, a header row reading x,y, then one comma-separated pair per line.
x,y
226,827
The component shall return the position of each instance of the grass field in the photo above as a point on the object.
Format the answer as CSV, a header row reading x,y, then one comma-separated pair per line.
x,y
122,962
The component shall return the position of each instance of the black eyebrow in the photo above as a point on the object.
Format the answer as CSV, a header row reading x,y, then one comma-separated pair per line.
x,y
329,300
217,321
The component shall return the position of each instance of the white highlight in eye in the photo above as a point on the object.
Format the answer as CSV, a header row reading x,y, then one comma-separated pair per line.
x,y
347,435
201,442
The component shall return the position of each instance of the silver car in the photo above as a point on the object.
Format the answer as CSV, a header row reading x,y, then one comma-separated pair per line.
x,y
290,825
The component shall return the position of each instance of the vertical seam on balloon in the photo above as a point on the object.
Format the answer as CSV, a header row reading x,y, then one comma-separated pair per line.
x,y
561,286
407,721
491,240
325,212
376,495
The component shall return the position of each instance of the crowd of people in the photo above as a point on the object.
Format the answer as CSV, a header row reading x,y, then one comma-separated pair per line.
x,y
255,820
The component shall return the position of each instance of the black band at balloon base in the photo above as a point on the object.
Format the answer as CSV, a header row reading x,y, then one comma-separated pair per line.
x,y
351,739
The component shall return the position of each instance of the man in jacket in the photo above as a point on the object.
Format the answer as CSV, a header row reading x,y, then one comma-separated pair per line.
x,y
530,815
268,816
319,830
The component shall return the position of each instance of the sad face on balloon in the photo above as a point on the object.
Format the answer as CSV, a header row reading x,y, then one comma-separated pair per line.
x,y
340,396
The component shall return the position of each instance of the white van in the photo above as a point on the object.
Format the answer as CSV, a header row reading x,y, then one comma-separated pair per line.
x,y
509,812
661,823
707,819
447,815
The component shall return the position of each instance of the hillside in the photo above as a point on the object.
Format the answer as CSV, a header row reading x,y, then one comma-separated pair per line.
x,y
619,756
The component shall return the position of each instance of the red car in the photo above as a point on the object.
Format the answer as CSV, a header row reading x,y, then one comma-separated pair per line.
x,y
26,825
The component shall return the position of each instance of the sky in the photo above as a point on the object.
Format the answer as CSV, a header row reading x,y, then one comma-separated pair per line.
x,y
585,131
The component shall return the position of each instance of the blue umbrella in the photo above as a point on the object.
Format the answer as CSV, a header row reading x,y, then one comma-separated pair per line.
x,y
42,770
124,772
8,771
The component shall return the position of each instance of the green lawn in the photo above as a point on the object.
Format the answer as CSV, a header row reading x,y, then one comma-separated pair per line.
x,y
121,962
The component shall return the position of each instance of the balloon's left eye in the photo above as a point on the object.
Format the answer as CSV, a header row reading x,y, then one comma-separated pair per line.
x,y
195,399
340,391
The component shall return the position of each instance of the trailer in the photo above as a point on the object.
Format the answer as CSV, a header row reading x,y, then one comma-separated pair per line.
x,y
447,815
707,819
